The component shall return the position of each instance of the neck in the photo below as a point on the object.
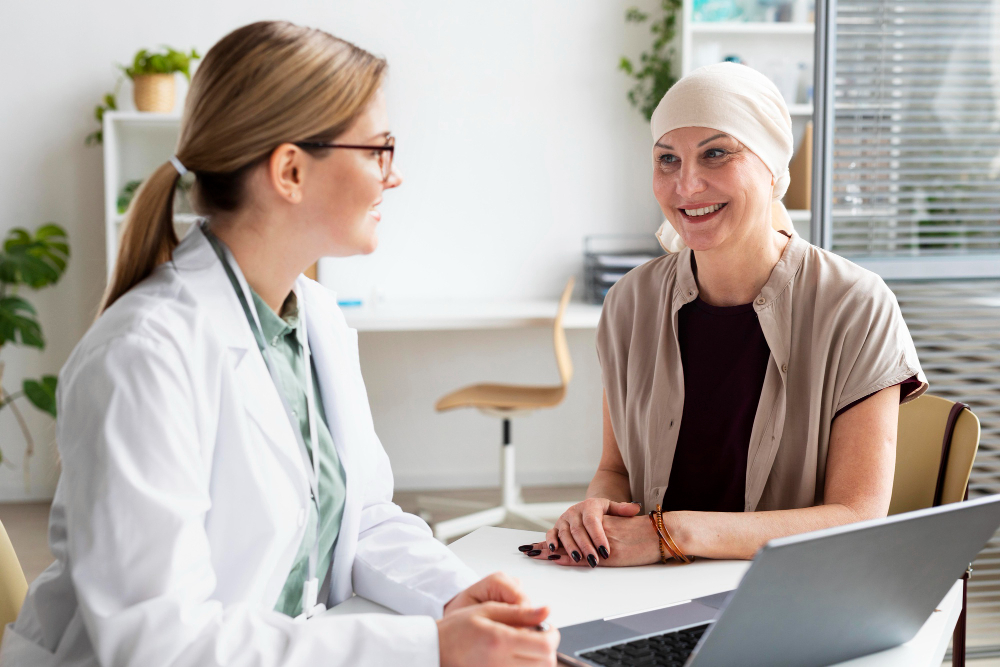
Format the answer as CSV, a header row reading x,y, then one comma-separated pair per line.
x,y
269,257
735,273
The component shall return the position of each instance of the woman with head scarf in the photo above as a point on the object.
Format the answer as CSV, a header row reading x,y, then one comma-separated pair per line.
x,y
752,381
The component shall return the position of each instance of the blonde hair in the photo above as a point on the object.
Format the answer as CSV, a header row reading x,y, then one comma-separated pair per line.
x,y
261,85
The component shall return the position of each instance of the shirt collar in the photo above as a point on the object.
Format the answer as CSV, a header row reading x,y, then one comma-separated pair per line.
x,y
275,327
686,287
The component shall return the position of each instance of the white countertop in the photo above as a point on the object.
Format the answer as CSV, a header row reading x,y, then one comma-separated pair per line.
x,y
576,595
456,314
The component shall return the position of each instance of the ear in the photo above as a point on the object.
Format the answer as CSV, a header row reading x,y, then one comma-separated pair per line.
x,y
286,171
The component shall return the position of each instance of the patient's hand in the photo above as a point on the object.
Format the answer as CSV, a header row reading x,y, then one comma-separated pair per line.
x,y
630,541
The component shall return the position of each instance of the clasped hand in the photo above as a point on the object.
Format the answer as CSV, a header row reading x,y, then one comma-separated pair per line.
x,y
599,531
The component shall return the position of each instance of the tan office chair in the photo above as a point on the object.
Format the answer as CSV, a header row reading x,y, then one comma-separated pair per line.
x,y
13,586
505,401
936,446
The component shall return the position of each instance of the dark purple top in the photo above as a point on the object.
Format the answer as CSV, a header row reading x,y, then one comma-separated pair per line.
x,y
724,355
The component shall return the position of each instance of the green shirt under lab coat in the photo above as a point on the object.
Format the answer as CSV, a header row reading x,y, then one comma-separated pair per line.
x,y
283,336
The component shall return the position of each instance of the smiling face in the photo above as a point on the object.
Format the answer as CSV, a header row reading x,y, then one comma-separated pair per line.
x,y
345,186
714,191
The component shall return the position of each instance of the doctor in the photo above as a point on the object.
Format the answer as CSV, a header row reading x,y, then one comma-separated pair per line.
x,y
222,480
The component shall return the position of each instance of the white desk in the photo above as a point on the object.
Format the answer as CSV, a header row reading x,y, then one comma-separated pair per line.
x,y
437,315
575,595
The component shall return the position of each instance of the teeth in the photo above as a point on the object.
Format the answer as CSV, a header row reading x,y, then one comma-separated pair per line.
x,y
695,212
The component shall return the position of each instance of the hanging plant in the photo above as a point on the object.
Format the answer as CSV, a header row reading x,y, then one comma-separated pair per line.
x,y
654,73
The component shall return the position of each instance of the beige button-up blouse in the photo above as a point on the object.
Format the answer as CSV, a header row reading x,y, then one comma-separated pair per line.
x,y
836,335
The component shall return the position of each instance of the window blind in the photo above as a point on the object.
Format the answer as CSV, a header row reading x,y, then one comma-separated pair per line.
x,y
916,135
909,167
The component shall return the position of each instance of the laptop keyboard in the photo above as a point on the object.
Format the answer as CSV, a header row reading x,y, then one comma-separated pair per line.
x,y
670,649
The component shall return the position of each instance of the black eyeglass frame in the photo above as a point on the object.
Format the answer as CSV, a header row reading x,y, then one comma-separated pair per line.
x,y
389,146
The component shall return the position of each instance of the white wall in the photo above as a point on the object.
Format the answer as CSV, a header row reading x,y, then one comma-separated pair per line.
x,y
515,140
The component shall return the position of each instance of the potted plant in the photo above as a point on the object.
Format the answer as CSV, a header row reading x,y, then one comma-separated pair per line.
x,y
35,261
152,77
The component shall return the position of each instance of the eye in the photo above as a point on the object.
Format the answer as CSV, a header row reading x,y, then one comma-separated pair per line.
x,y
667,158
715,152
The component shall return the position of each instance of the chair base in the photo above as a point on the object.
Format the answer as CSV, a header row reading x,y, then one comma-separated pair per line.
x,y
511,504
533,513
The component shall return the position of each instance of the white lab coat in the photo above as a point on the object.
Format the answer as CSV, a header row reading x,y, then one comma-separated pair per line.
x,y
183,497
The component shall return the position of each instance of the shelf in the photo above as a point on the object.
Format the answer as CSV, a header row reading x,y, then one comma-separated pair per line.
x,y
800,109
751,28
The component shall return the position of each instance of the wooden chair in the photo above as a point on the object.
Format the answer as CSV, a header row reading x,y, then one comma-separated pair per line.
x,y
505,401
936,446
13,586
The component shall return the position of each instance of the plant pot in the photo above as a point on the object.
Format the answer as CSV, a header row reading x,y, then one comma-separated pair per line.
x,y
154,92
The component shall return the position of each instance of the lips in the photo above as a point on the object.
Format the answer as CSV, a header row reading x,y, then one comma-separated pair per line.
x,y
702,213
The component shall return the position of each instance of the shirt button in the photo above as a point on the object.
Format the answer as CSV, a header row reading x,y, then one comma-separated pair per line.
x,y
274,341
761,301
671,423
784,368
691,292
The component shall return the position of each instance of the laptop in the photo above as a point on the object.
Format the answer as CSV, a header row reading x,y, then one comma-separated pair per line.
x,y
811,599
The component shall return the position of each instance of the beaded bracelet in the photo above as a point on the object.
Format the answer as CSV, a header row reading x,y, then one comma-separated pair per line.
x,y
670,541
659,539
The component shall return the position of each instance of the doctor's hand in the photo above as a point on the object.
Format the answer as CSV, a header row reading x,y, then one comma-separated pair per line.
x,y
494,634
580,531
497,587
630,541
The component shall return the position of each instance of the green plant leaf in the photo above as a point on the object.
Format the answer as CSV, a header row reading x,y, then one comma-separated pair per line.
x,y
37,260
169,61
18,323
42,394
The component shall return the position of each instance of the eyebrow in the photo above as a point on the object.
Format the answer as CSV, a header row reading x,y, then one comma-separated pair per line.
x,y
712,138
383,135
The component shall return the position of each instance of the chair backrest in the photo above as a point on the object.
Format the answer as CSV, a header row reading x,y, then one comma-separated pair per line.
x,y
919,443
13,586
563,361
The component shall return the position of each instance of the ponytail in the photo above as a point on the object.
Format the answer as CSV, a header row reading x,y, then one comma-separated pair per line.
x,y
148,238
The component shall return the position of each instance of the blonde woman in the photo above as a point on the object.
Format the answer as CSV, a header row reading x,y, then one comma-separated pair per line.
x,y
222,481
752,381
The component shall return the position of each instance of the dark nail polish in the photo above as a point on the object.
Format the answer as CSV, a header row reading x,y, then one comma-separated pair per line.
x,y
552,547
576,556
555,557
592,560
525,547
603,550
534,552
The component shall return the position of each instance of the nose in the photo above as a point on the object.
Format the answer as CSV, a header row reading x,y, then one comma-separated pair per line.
x,y
395,178
689,180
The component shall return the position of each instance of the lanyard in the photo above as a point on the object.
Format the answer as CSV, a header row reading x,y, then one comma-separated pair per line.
x,y
310,589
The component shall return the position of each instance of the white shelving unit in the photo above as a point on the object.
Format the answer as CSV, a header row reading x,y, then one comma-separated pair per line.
x,y
775,48
135,144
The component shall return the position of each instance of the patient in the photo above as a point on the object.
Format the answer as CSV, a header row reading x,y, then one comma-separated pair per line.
x,y
752,381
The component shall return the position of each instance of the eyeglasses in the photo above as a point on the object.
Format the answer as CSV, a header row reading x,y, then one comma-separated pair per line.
x,y
385,152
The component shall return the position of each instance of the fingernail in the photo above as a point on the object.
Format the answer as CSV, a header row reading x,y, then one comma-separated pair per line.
x,y
591,560
525,547
534,552
603,550
552,547
554,557
576,556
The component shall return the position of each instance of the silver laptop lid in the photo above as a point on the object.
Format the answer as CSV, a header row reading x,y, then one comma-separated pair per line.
x,y
832,595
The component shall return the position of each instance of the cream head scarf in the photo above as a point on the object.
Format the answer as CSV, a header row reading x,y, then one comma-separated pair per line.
x,y
744,104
